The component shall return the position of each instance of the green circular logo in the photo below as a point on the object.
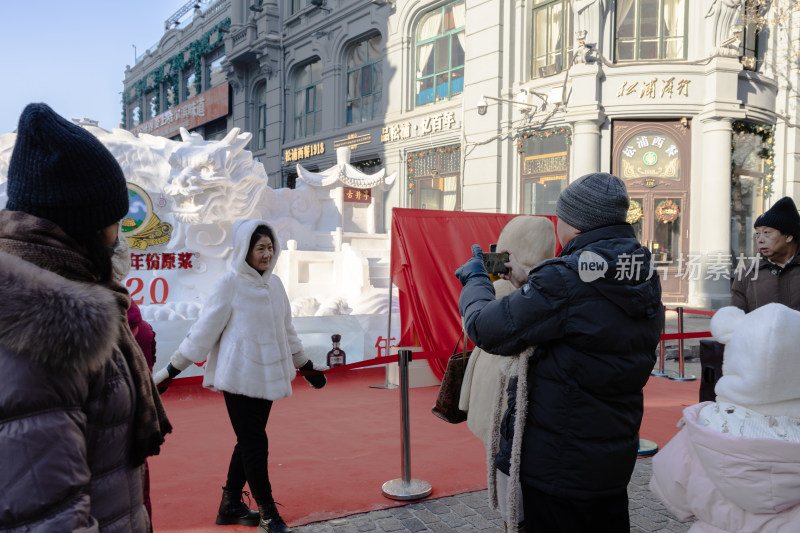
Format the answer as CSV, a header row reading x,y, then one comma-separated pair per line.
x,y
650,158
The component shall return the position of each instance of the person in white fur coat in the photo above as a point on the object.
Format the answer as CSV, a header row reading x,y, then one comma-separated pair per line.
x,y
735,464
250,348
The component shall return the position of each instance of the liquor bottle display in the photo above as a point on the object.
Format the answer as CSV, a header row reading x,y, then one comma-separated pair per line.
x,y
336,356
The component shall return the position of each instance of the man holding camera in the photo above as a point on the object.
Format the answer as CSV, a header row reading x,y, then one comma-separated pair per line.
x,y
594,317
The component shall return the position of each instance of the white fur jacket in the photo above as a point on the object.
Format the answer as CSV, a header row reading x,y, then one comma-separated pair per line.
x,y
245,332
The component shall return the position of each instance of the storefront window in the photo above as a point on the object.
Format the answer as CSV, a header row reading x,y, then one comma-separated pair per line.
x,y
544,168
134,115
364,79
440,54
651,29
751,153
666,245
552,36
433,178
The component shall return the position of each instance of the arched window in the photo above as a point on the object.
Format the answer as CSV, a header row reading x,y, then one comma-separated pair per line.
x,y
651,29
440,54
261,116
364,79
308,100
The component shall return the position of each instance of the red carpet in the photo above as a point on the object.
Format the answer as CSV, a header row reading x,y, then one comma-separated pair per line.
x,y
331,450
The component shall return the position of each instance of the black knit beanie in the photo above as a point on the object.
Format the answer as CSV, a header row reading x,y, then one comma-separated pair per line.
x,y
61,172
782,216
593,201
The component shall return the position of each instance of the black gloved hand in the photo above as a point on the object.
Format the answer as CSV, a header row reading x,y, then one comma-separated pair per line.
x,y
163,377
316,380
474,266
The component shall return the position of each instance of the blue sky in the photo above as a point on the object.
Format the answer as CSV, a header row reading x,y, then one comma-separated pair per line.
x,y
72,54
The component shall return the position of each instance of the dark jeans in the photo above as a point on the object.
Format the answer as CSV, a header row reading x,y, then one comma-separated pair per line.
x,y
249,459
550,514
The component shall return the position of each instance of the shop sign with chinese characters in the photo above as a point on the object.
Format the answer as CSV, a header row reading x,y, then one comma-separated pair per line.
x,y
427,124
650,156
353,141
357,196
654,88
303,152
205,107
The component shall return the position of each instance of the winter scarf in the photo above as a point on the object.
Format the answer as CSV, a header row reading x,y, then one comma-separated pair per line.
x,y
44,244
516,366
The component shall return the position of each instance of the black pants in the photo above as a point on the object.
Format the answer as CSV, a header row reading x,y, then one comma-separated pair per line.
x,y
249,459
549,514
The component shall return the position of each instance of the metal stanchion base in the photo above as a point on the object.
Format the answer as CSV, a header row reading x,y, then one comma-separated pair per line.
x,y
683,378
384,386
647,447
664,374
415,489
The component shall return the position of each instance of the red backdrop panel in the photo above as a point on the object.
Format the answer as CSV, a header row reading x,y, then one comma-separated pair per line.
x,y
427,247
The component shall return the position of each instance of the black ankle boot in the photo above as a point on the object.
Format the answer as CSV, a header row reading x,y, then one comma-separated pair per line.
x,y
232,510
271,521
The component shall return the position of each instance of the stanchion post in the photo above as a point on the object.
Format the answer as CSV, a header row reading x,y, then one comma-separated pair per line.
x,y
681,376
661,373
405,488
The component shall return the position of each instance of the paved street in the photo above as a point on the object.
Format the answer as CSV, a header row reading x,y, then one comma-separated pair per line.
x,y
470,512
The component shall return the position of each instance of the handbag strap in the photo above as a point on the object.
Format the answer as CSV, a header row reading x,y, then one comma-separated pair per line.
x,y
462,339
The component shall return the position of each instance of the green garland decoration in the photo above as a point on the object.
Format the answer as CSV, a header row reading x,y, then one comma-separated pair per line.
x,y
170,70
368,163
766,133
416,155
542,134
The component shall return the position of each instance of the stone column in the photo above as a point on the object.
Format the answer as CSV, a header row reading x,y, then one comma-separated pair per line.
x,y
715,195
586,148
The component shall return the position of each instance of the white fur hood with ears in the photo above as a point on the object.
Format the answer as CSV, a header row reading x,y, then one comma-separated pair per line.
x,y
245,332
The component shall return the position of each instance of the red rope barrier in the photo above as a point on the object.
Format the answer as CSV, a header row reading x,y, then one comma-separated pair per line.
x,y
693,311
696,335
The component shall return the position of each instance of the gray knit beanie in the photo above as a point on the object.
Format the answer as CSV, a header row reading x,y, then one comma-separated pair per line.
x,y
61,172
593,201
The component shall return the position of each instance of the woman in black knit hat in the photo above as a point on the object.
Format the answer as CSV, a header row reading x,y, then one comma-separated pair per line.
x,y
78,409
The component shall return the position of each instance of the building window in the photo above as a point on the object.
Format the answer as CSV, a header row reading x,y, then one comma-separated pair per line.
x,y
214,73
364,79
544,167
434,177
748,48
188,80
308,100
651,29
134,114
151,105
440,54
261,114
170,96
552,31
750,186
294,6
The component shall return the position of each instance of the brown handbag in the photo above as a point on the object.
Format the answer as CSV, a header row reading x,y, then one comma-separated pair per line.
x,y
446,406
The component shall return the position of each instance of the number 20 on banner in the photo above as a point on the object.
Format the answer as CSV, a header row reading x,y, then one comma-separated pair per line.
x,y
159,290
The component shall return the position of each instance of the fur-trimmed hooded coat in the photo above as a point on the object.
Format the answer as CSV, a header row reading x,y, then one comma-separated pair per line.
x,y
245,332
66,408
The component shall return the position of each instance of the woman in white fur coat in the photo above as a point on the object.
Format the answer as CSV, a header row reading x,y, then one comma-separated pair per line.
x,y
530,240
246,337
735,464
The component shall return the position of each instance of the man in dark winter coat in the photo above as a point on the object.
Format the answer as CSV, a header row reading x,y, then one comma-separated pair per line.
x,y
594,316
776,279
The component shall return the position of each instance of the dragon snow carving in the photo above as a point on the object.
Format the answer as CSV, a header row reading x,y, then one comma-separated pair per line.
x,y
207,182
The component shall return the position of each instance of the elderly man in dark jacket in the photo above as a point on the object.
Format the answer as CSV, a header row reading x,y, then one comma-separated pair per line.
x,y
776,279
594,316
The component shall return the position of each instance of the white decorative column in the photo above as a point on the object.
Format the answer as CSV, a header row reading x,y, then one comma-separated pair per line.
x,y
585,147
715,206
585,117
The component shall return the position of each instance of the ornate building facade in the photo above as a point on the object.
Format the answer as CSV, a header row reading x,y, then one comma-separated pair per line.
x,y
480,105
